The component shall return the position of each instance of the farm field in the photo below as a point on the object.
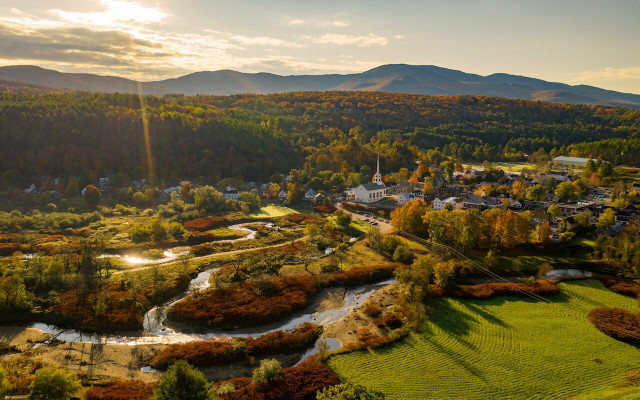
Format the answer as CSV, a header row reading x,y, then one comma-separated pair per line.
x,y
506,347
506,166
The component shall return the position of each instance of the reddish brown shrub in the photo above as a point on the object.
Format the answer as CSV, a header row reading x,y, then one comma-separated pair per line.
x,y
200,353
325,208
490,290
204,224
121,311
284,342
300,218
363,274
300,382
367,340
7,249
242,305
620,286
206,353
121,390
390,320
618,323
372,309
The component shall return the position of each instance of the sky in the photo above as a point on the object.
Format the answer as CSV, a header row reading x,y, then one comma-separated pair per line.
x,y
594,42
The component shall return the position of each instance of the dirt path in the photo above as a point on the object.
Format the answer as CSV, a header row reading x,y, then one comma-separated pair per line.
x,y
212,256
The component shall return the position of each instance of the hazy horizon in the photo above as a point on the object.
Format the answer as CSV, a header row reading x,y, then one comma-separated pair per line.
x,y
588,42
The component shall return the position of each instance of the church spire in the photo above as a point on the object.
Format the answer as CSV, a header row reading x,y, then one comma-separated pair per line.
x,y
377,178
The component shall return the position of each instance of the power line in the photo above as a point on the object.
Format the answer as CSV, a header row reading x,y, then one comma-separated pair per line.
x,y
504,280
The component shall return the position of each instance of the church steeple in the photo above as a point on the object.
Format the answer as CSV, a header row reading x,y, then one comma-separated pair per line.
x,y
377,178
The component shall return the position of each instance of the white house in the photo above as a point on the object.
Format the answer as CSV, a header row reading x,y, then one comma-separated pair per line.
x,y
578,161
404,198
441,204
230,193
282,194
369,192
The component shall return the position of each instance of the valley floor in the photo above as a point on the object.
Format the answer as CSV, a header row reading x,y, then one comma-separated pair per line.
x,y
506,347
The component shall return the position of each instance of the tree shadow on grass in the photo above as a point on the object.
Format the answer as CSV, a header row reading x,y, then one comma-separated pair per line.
x,y
450,320
481,311
455,357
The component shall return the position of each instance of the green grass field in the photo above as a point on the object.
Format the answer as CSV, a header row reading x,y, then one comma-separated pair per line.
x,y
272,211
506,166
507,348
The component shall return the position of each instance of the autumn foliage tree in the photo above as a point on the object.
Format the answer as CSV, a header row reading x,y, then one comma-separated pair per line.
x,y
92,195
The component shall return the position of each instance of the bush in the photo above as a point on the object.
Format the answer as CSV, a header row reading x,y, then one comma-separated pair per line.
x,y
267,371
121,390
51,383
620,286
363,275
567,236
303,218
204,224
349,391
618,323
206,353
490,290
372,309
182,381
300,382
325,209
239,305
5,386
403,254
390,320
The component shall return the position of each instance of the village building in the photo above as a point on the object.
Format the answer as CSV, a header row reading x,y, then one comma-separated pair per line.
x,y
231,193
569,161
481,202
441,204
404,198
369,192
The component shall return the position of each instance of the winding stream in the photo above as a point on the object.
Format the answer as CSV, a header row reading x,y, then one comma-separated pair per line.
x,y
157,331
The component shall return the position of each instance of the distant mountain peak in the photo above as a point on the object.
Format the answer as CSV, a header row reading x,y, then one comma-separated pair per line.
x,y
405,78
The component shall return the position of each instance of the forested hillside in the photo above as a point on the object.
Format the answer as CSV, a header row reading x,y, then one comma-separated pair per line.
x,y
254,136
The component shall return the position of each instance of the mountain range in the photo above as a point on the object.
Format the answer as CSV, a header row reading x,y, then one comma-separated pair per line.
x,y
400,78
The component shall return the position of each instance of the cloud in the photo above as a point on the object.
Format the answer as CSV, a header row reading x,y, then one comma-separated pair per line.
x,y
339,24
398,37
264,41
116,12
607,74
131,40
344,40
296,22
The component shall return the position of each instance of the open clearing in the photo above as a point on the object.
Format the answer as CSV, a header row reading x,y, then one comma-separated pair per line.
x,y
272,211
506,347
506,166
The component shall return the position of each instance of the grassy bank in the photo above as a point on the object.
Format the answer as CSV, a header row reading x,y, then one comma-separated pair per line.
x,y
505,347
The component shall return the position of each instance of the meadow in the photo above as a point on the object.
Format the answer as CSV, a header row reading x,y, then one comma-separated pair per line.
x,y
505,347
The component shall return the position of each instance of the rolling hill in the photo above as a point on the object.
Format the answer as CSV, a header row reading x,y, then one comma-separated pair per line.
x,y
397,78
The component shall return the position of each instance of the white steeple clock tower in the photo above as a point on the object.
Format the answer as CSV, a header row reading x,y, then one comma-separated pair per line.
x,y
377,178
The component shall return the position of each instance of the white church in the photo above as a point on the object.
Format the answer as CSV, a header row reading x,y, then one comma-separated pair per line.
x,y
369,192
